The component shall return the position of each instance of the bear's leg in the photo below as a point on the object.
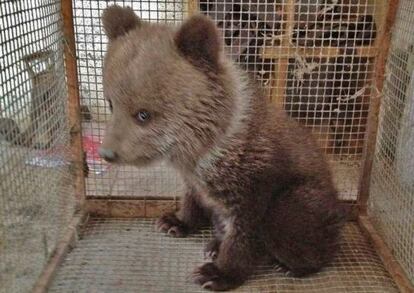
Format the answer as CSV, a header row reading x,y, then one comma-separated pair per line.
x,y
237,256
304,227
188,219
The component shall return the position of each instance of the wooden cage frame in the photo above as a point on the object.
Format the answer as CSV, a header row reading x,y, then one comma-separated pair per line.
x,y
128,207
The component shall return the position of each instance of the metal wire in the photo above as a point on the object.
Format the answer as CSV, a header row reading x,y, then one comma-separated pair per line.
x,y
130,256
313,57
391,202
307,55
103,180
36,194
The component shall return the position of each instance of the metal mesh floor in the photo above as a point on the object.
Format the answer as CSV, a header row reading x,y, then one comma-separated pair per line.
x,y
129,255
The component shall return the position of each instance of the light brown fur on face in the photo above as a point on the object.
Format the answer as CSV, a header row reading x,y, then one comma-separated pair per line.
x,y
144,69
252,172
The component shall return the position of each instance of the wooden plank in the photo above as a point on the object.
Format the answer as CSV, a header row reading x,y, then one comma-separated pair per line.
x,y
74,111
192,7
133,207
379,13
317,52
384,40
63,247
390,263
278,87
129,208
154,209
115,208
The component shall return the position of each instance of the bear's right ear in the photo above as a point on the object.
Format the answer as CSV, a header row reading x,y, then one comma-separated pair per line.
x,y
117,21
198,40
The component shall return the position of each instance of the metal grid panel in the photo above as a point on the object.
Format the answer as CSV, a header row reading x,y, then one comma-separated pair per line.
x,y
313,57
158,180
130,256
36,194
391,201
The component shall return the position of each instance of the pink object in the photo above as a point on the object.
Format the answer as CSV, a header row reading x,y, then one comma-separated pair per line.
x,y
91,145
95,163
55,157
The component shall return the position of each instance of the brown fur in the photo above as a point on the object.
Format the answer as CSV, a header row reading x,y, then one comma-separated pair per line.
x,y
253,172
204,46
118,21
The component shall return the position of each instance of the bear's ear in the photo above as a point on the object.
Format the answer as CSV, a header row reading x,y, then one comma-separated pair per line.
x,y
117,21
198,40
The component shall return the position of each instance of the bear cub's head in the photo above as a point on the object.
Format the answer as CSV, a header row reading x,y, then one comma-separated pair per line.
x,y
168,88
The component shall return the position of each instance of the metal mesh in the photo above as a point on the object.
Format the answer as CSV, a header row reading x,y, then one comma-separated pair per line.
x,y
130,256
391,201
36,200
158,180
314,59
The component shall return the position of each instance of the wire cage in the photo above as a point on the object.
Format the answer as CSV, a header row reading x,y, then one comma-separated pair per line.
x,y
69,222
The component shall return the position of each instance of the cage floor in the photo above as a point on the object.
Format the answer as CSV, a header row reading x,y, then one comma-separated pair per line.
x,y
129,255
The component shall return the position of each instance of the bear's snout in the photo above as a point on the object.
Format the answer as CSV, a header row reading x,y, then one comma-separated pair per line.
x,y
107,154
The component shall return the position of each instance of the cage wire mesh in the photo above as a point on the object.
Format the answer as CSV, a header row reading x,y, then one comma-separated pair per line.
x,y
391,201
36,200
313,58
158,180
129,255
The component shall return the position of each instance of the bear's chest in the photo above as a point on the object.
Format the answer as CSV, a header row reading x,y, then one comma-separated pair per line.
x,y
207,196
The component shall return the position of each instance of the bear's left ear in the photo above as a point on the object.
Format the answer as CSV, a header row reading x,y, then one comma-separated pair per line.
x,y
117,21
198,40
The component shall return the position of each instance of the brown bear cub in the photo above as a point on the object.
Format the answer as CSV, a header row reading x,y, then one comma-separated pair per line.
x,y
257,176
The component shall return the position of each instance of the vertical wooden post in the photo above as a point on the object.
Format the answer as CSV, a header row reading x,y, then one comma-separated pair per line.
x,y
192,7
280,72
73,100
384,42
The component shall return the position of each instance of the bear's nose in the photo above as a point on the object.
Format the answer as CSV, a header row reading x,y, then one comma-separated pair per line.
x,y
107,154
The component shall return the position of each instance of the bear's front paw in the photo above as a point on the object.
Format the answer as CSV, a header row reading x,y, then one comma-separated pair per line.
x,y
170,224
212,249
209,277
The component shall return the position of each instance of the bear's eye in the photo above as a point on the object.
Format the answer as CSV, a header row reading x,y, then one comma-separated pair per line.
x,y
143,116
110,105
